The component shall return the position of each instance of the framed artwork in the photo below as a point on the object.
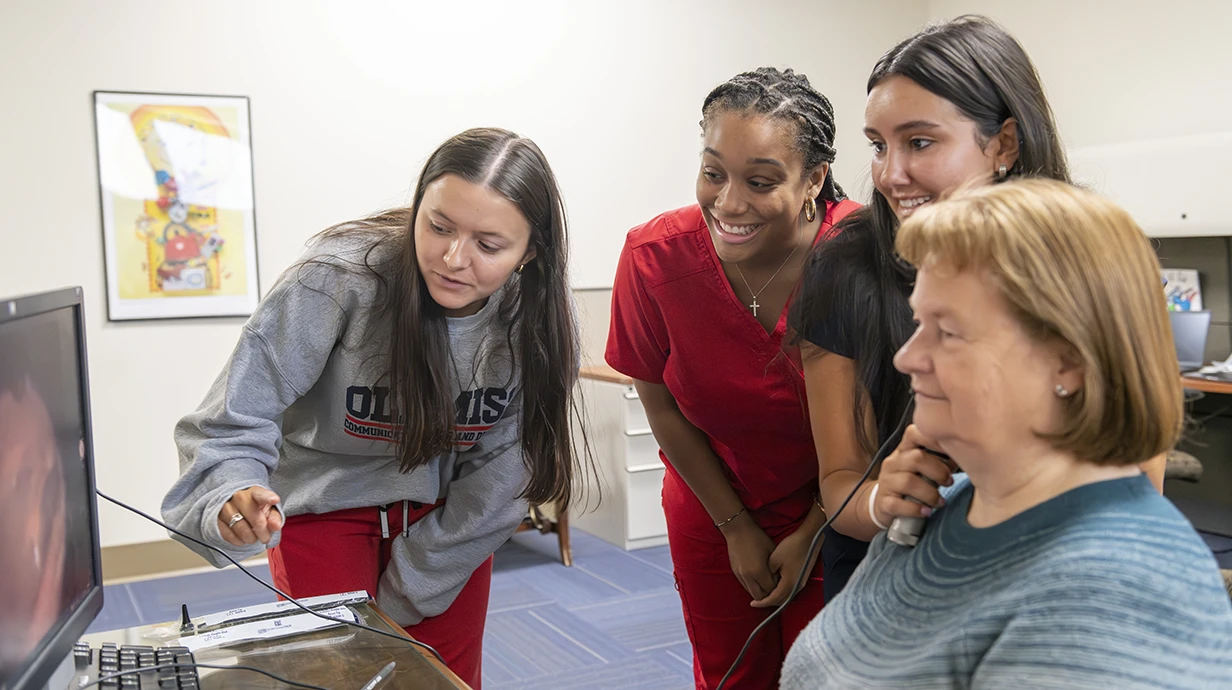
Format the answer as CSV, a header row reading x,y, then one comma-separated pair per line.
x,y
176,191
1182,288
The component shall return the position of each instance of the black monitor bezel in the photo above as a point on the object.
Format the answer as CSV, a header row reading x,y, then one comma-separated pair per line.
x,y
52,652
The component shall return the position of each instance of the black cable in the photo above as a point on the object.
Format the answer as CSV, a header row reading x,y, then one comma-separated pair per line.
x,y
881,455
270,587
147,669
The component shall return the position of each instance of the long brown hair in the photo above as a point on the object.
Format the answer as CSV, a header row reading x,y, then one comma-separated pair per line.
x,y
975,64
536,313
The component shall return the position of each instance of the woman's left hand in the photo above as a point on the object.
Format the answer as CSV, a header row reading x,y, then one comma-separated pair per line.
x,y
786,560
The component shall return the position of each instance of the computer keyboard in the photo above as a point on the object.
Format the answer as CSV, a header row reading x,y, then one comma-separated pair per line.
x,y
91,665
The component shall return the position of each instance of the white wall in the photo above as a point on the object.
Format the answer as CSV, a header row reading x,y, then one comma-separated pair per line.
x,y
1122,70
347,101
1141,95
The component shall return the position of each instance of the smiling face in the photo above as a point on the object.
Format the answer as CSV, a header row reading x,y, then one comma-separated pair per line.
x,y
923,146
468,241
752,186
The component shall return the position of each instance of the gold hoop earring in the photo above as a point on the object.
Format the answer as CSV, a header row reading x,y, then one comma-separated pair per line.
x,y
520,267
1002,171
810,210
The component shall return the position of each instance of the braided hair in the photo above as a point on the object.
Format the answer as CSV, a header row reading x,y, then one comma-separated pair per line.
x,y
783,95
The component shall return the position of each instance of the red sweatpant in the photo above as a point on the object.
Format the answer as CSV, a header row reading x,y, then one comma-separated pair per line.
x,y
344,552
716,607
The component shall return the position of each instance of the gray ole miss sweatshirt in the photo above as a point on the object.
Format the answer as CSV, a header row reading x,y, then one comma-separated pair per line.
x,y
302,408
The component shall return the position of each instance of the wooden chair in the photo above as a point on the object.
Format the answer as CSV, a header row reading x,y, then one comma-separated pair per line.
x,y
537,520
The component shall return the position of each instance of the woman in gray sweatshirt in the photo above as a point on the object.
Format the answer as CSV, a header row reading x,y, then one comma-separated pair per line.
x,y
398,398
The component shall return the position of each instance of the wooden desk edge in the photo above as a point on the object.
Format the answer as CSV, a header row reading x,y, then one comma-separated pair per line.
x,y
1206,385
445,670
602,372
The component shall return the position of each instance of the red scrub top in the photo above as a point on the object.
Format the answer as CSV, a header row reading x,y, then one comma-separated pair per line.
x,y
677,322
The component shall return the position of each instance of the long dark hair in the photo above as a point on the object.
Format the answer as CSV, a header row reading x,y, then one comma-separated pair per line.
x,y
980,68
787,96
536,311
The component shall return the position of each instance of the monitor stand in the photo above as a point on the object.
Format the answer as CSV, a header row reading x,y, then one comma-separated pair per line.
x,y
62,677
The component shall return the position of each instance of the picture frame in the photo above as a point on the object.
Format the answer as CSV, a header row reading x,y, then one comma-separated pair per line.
x,y
177,202
1183,289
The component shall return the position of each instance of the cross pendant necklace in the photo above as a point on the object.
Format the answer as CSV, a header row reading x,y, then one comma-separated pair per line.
x,y
754,304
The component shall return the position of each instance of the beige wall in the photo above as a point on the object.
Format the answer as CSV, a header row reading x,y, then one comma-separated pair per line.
x,y
594,313
1122,70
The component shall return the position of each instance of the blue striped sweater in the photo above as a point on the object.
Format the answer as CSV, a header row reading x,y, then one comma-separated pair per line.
x,y
1106,586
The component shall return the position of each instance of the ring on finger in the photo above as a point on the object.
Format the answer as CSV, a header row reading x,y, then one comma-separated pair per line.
x,y
234,519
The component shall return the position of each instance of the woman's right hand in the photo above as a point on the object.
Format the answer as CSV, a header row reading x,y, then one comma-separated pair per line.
x,y
748,551
903,475
260,521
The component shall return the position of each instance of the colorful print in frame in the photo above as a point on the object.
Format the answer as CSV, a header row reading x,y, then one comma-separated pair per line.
x,y
176,188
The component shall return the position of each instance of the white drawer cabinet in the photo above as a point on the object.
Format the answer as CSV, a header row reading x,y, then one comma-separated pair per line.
x,y
630,514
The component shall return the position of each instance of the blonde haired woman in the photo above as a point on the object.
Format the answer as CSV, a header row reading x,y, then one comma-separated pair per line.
x,y
1043,366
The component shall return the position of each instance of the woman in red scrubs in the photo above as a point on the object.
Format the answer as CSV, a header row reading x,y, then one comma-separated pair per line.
x,y
698,318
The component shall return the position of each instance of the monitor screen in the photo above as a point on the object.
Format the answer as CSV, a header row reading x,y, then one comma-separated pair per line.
x,y
1189,330
48,534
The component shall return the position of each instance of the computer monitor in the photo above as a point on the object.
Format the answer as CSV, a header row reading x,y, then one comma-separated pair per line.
x,y
1189,330
52,579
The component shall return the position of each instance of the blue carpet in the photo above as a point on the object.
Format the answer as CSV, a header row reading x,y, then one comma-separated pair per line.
x,y
613,620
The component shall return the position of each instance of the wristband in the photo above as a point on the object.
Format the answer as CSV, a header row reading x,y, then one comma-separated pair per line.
x,y
872,513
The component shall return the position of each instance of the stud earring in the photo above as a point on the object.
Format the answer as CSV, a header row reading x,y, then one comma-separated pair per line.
x,y
1061,391
1002,171
520,267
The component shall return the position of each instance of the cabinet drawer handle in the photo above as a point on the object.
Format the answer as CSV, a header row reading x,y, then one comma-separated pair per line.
x,y
639,432
631,395
636,469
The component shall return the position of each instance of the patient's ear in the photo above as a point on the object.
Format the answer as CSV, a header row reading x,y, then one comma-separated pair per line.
x,y
1070,370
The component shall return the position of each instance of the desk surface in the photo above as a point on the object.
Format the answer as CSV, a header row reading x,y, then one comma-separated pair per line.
x,y
602,372
1206,385
342,657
